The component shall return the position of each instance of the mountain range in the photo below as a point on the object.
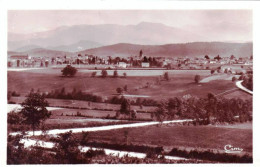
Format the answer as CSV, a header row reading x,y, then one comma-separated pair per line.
x,y
155,39
195,49
145,33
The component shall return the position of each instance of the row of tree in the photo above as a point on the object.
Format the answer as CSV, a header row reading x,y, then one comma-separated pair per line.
x,y
205,110
104,74
73,95
138,101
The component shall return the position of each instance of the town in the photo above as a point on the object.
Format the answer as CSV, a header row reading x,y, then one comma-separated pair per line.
x,y
220,64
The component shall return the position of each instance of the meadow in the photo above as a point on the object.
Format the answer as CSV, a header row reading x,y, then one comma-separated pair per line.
x,y
183,137
181,83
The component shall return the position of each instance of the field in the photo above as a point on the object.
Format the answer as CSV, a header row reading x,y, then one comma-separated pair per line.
x,y
78,104
146,84
181,83
239,94
94,113
186,137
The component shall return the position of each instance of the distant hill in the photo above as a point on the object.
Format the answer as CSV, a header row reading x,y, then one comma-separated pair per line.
x,y
196,49
176,50
27,48
107,34
41,52
76,47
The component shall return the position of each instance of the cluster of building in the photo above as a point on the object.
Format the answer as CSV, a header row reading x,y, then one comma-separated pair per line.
x,y
140,61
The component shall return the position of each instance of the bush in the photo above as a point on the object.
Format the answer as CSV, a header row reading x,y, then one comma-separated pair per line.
x,y
74,95
242,77
166,76
212,71
115,75
14,93
14,118
234,79
124,74
69,71
104,73
119,90
125,107
197,78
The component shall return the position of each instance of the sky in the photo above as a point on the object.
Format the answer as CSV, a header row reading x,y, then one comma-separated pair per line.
x,y
214,22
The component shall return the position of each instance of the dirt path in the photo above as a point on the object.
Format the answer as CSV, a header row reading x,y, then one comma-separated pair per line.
x,y
31,142
101,128
216,77
17,107
240,86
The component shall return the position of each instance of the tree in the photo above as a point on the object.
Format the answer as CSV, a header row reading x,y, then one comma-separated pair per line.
x,y
212,71
161,111
217,57
67,149
69,71
125,107
166,76
34,110
226,70
124,74
46,63
104,73
115,75
197,78
14,118
145,59
234,79
207,57
140,53
119,90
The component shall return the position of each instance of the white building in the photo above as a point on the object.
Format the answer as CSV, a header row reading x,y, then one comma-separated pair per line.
x,y
145,64
122,64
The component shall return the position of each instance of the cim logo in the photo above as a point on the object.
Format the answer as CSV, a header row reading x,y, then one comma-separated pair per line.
x,y
230,149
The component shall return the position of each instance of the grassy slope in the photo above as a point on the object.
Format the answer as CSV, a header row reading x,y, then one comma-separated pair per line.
x,y
179,85
204,137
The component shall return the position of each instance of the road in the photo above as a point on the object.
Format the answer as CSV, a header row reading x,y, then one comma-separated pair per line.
x,y
30,142
18,107
240,86
100,128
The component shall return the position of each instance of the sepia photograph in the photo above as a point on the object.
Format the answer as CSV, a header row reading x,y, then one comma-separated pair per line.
x,y
129,86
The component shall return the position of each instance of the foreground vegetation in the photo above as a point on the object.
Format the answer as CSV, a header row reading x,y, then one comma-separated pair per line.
x,y
66,151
